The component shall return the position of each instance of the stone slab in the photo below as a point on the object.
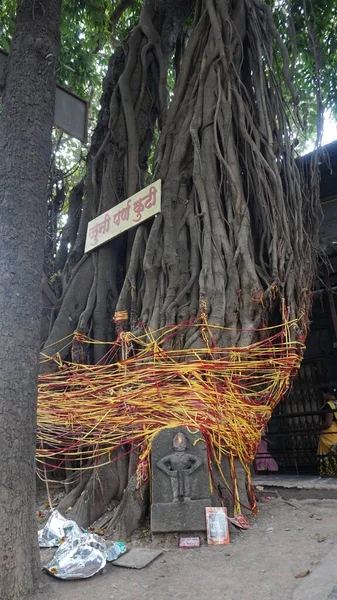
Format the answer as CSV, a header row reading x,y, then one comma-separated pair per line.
x,y
179,516
167,513
137,558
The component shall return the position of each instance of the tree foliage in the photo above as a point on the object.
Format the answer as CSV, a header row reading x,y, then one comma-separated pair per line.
x,y
308,30
87,39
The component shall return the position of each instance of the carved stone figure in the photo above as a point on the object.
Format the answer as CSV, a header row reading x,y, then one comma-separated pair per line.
x,y
179,481
179,466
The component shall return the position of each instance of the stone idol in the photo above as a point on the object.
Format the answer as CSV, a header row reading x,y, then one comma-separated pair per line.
x,y
180,482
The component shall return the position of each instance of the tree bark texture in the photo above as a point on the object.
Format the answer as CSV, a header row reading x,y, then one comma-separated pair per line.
x,y
134,101
25,148
237,235
238,230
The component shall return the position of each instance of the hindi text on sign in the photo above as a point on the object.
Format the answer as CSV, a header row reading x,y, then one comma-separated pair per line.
x,y
125,215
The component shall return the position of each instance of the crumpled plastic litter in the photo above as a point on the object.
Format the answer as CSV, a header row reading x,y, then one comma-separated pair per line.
x,y
78,557
56,529
115,550
80,554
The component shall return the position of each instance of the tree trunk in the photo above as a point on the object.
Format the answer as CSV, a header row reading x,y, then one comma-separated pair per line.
x,y
237,237
239,229
25,148
134,101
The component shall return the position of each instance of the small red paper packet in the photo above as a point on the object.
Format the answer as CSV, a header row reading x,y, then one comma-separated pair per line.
x,y
240,521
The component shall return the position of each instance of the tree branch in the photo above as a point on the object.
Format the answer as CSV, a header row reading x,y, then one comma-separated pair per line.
x,y
117,13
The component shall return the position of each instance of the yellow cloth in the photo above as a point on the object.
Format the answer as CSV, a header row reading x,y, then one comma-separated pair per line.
x,y
327,439
327,446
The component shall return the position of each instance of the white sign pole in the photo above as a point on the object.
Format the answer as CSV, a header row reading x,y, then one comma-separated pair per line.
x,y
123,216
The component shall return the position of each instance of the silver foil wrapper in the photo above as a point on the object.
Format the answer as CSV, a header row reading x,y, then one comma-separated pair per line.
x,y
57,529
80,554
78,557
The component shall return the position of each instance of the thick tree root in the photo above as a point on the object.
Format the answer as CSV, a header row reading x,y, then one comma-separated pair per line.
x,y
89,500
130,512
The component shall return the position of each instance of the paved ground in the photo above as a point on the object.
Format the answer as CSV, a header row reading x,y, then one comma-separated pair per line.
x,y
260,564
301,482
322,582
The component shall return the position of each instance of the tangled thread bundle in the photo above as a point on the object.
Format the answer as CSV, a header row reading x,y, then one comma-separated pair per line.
x,y
85,412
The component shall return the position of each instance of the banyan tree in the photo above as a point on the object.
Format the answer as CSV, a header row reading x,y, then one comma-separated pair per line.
x,y
198,316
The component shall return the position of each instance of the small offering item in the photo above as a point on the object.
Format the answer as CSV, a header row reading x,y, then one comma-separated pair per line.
x,y
189,542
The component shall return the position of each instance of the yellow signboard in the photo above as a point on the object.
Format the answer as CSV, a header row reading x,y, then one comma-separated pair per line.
x,y
123,216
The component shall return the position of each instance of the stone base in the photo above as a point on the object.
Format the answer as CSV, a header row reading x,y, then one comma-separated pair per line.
x,y
179,516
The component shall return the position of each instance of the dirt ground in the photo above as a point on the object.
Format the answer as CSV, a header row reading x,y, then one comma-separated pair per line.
x,y
260,564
